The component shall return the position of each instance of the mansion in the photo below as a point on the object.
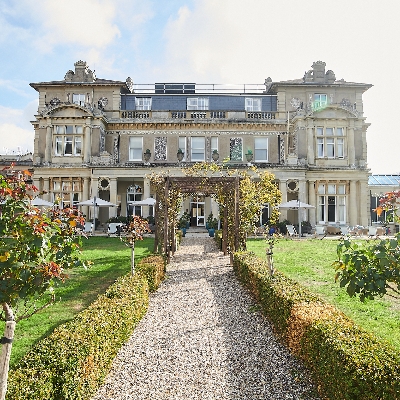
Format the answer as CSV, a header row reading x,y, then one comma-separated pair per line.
x,y
102,138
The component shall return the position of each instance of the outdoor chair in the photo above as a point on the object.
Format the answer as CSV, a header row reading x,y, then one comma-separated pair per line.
x,y
344,230
88,228
320,230
291,231
372,230
114,228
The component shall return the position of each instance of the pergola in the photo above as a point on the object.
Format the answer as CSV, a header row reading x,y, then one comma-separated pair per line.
x,y
229,186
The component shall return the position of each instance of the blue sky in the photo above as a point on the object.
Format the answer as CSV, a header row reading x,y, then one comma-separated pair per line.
x,y
202,41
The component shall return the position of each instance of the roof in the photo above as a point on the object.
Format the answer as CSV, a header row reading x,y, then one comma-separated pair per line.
x,y
384,180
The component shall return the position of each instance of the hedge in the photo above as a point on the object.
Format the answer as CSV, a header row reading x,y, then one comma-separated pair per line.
x,y
346,362
72,362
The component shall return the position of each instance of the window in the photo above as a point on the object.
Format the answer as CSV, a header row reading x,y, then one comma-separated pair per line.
x,y
332,203
134,193
143,103
182,146
79,98
197,149
252,104
214,144
135,148
68,140
236,149
320,101
67,190
197,103
330,142
261,149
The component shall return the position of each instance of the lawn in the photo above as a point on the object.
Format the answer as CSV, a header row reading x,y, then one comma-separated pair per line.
x,y
309,262
111,259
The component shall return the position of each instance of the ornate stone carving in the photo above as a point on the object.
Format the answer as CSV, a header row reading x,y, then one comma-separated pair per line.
x,y
116,150
102,103
129,84
55,101
103,183
160,148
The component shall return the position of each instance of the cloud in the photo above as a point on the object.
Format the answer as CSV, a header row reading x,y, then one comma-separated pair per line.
x,y
88,23
16,132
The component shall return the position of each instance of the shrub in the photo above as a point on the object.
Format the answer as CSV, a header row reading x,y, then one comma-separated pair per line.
x,y
152,268
72,362
346,361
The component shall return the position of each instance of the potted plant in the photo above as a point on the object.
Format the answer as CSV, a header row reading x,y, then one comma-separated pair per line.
x,y
180,155
186,217
215,155
212,226
182,225
147,155
209,220
249,155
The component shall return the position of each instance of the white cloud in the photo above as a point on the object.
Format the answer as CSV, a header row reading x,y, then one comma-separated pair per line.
x,y
88,23
16,132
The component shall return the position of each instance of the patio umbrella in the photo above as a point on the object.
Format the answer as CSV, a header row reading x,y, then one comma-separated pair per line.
x,y
147,202
295,205
38,202
96,202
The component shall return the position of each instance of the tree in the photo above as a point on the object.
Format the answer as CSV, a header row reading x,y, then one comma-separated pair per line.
x,y
36,249
134,232
371,268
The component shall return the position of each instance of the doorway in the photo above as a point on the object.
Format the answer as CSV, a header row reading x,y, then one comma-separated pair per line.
x,y
197,212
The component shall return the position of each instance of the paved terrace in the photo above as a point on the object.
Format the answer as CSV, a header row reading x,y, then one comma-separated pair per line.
x,y
203,338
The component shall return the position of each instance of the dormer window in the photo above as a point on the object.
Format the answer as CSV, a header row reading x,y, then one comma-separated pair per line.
x,y
79,98
253,104
197,103
143,103
320,100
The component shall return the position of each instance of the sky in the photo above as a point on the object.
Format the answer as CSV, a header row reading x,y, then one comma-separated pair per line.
x,y
202,41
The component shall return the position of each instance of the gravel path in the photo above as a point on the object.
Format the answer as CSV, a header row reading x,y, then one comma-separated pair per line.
x,y
203,338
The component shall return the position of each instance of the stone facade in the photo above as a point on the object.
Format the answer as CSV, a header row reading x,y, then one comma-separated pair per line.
x,y
91,136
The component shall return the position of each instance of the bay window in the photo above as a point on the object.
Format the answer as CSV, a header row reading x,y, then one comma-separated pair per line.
x,y
330,142
68,140
331,203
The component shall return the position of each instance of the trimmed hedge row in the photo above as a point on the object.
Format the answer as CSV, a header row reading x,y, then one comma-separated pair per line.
x,y
72,362
153,269
347,362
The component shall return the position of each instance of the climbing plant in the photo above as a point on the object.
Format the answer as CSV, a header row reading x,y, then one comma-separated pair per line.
x,y
240,195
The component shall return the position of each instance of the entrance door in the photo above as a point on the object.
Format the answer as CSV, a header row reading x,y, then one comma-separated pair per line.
x,y
197,212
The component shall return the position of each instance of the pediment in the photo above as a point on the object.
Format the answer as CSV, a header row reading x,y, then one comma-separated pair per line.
x,y
335,111
67,110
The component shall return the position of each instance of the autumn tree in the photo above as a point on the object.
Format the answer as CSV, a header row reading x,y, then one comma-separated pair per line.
x,y
134,231
372,268
36,249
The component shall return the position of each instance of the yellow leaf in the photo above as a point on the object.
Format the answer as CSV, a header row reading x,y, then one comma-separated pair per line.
x,y
5,257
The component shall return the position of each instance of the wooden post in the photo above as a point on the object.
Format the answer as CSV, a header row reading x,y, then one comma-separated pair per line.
x,y
156,225
133,259
237,216
166,233
225,232
5,356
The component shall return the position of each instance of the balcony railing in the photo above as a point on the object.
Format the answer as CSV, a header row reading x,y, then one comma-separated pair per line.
x,y
196,115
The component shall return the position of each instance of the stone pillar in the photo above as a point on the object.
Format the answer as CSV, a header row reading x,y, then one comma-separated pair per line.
x,y
350,146
85,196
88,144
46,189
310,146
49,143
364,209
303,197
312,213
352,212
283,189
146,194
113,196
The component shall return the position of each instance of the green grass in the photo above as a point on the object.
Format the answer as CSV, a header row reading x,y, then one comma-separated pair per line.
x,y
111,259
310,263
